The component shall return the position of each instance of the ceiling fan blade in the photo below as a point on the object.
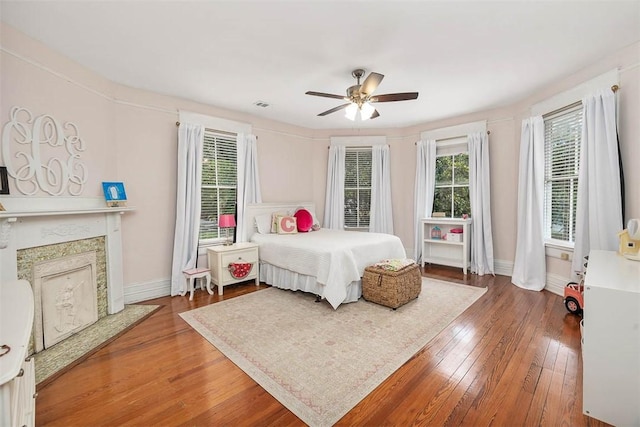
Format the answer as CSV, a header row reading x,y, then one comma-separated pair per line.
x,y
371,83
374,115
333,110
325,95
389,97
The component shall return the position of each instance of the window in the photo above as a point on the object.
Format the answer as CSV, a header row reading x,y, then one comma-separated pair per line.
x,y
357,187
219,166
451,194
562,135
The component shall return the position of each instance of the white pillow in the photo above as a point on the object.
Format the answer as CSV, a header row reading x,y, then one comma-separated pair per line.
x,y
263,223
274,220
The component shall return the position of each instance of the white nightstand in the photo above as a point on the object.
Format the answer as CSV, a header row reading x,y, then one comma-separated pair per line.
x,y
221,256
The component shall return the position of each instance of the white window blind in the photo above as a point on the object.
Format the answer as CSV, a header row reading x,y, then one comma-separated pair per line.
x,y
357,187
219,176
562,135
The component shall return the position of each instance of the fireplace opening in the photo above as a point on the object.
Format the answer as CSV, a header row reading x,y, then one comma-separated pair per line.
x,y
65,297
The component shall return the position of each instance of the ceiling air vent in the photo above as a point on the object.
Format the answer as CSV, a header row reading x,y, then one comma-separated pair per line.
x,y
261,104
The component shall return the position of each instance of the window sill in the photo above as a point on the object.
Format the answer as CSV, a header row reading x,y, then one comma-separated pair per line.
x,y
356,228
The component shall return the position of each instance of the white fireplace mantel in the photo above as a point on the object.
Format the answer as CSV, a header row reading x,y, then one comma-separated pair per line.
x,y
21,206
19,214
38,221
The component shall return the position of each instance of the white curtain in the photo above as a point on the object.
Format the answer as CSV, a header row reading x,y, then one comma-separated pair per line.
x,y
480,197
334,198
599,208
529,270
424,189
248,180
381,219
185,242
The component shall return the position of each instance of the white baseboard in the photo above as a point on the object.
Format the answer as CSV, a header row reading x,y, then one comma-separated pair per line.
x,y
553,283
502,267
556,284
145,291
160,288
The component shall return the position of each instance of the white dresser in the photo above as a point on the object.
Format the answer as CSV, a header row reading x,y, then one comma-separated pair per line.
x,y
221,256
17,374
611,339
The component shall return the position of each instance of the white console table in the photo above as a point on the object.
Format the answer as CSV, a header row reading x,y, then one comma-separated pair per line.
x,y
442,251
17,373
611,339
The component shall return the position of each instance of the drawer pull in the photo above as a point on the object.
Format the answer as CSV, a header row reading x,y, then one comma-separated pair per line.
x,y
21,373
4,349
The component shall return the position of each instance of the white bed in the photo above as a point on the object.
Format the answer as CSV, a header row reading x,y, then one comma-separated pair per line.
x,y
327,263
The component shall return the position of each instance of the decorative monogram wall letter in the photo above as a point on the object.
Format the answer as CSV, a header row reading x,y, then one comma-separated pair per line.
x,y
43,155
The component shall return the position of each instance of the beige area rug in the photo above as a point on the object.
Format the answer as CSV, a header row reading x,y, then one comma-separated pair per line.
x,y
54,361
320,362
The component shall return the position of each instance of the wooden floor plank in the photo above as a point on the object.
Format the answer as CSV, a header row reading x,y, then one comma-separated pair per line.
x,y
513,358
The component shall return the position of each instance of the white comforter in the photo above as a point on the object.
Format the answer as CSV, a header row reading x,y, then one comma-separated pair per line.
x,y
336,258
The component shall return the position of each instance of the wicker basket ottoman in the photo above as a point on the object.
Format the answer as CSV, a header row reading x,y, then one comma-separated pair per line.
x,y
391,288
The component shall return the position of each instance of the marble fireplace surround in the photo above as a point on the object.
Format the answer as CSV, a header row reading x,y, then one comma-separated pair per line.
x,y
39,221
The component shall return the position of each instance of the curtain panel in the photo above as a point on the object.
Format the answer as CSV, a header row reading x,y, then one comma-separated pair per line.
x,y
381,219
334,198
529,270
424,189
599,205
185,242
248,180
480,198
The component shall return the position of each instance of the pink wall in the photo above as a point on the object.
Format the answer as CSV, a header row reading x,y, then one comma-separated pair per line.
x,y
42,92
131,136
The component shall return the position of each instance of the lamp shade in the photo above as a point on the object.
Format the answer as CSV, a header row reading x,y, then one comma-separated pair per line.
x,y
226,221
366,111
351,111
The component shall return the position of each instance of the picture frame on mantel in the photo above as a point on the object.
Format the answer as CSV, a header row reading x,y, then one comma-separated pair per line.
x,y
4,180
114,194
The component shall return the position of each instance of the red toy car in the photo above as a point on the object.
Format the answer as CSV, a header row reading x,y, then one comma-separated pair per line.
x,y
573,297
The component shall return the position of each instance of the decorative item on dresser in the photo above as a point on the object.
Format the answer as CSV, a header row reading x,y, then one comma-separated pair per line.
x,y
229,264
227,221
17,373
446,241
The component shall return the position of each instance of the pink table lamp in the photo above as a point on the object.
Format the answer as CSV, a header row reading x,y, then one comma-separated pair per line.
x,y
227,221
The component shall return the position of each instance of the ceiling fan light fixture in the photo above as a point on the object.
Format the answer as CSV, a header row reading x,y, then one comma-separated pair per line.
x,y
360,97
366,111
351,111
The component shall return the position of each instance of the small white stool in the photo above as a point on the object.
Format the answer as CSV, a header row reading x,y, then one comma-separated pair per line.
x,y
192,275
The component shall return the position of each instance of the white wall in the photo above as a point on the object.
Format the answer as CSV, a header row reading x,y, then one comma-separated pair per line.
x,y
131,136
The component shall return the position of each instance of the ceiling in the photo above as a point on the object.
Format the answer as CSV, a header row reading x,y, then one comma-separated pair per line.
x,y
461,56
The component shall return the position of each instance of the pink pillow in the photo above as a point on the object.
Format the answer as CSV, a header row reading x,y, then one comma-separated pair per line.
x,y
304,219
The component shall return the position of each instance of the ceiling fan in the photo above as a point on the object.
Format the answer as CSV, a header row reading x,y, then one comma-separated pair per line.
x,y
360,97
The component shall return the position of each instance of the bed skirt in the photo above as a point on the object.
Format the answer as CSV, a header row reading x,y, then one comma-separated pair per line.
x,y
286,279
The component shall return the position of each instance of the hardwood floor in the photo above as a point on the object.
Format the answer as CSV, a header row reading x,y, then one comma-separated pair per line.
x,y
513,358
